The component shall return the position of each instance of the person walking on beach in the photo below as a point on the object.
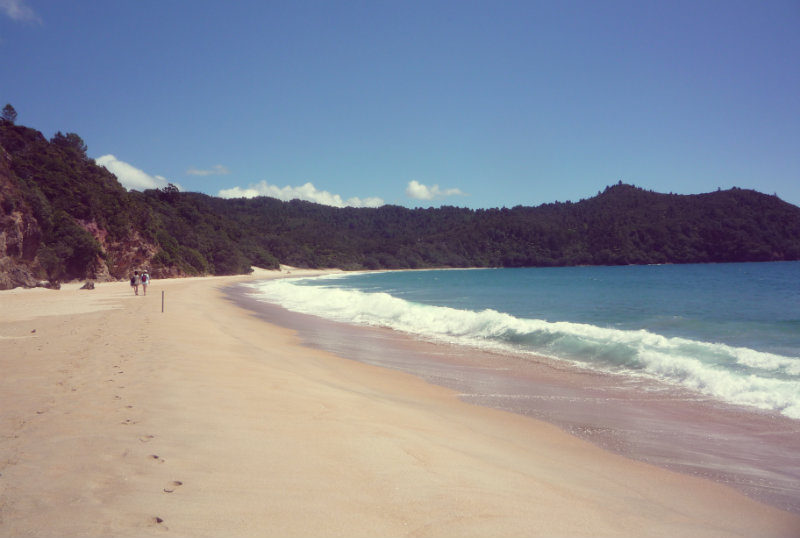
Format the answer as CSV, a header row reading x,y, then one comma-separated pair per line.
x,y
135,281
145,281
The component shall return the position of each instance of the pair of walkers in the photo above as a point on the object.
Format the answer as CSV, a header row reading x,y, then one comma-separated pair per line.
x,y
138,279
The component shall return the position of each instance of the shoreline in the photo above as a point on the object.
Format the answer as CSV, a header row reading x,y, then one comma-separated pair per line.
x,y
205,421
752,450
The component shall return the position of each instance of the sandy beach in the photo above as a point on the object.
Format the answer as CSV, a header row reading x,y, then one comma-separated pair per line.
x,y
119,420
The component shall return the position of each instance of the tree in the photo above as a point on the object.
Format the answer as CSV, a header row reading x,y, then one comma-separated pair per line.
x,y
169,193
70,140
9,114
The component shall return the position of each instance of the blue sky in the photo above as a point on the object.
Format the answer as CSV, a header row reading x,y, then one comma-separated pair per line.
x,y
473,104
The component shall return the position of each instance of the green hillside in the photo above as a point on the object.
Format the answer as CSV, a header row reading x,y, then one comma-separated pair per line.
x,y
76,221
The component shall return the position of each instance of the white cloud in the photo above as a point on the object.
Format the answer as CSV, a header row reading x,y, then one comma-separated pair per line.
x,y
129,176
306,192
17,10
217,170
418,191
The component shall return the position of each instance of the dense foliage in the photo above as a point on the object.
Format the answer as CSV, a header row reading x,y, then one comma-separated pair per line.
x,y
622,225
83,210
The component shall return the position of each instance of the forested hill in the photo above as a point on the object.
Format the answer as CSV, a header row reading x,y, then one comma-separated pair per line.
x,y
63,217
622,225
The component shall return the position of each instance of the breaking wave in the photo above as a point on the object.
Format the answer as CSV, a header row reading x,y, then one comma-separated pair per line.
x,y
734,374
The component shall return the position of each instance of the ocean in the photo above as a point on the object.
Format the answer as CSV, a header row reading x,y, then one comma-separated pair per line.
x,y
692,367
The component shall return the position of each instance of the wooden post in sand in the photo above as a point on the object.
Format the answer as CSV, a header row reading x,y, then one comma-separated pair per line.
x,y
162,301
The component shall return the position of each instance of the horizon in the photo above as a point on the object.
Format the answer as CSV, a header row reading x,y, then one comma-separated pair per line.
x,y
420,104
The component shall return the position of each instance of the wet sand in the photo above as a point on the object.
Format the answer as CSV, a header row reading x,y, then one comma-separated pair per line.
x,y
756,452
118,419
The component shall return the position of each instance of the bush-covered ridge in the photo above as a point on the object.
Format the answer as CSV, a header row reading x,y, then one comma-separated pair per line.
x,y
622,225
86,225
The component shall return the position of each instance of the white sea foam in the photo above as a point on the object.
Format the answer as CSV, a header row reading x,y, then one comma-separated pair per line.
x,y
733,374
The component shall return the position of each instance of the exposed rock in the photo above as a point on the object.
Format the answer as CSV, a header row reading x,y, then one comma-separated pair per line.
x,y
20,234
21,238
89,285
13,274
98,271
122,256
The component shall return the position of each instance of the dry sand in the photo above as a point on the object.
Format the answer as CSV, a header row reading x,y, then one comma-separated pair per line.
x,y
116,419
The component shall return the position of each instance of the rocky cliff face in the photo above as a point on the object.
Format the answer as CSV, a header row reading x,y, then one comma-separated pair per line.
x,y
122,256
21,239
20,234
63,217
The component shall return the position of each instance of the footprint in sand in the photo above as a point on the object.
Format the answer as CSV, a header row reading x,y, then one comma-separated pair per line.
x,y
128,422
147,438
158,458
172,486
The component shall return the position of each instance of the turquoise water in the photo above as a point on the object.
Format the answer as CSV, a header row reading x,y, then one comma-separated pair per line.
x,y
730,331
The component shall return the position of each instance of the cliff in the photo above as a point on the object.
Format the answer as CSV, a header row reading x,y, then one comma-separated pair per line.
x,y
61,216
20,234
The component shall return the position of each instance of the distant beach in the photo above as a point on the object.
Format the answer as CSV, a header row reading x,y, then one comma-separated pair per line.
x,y
206,420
